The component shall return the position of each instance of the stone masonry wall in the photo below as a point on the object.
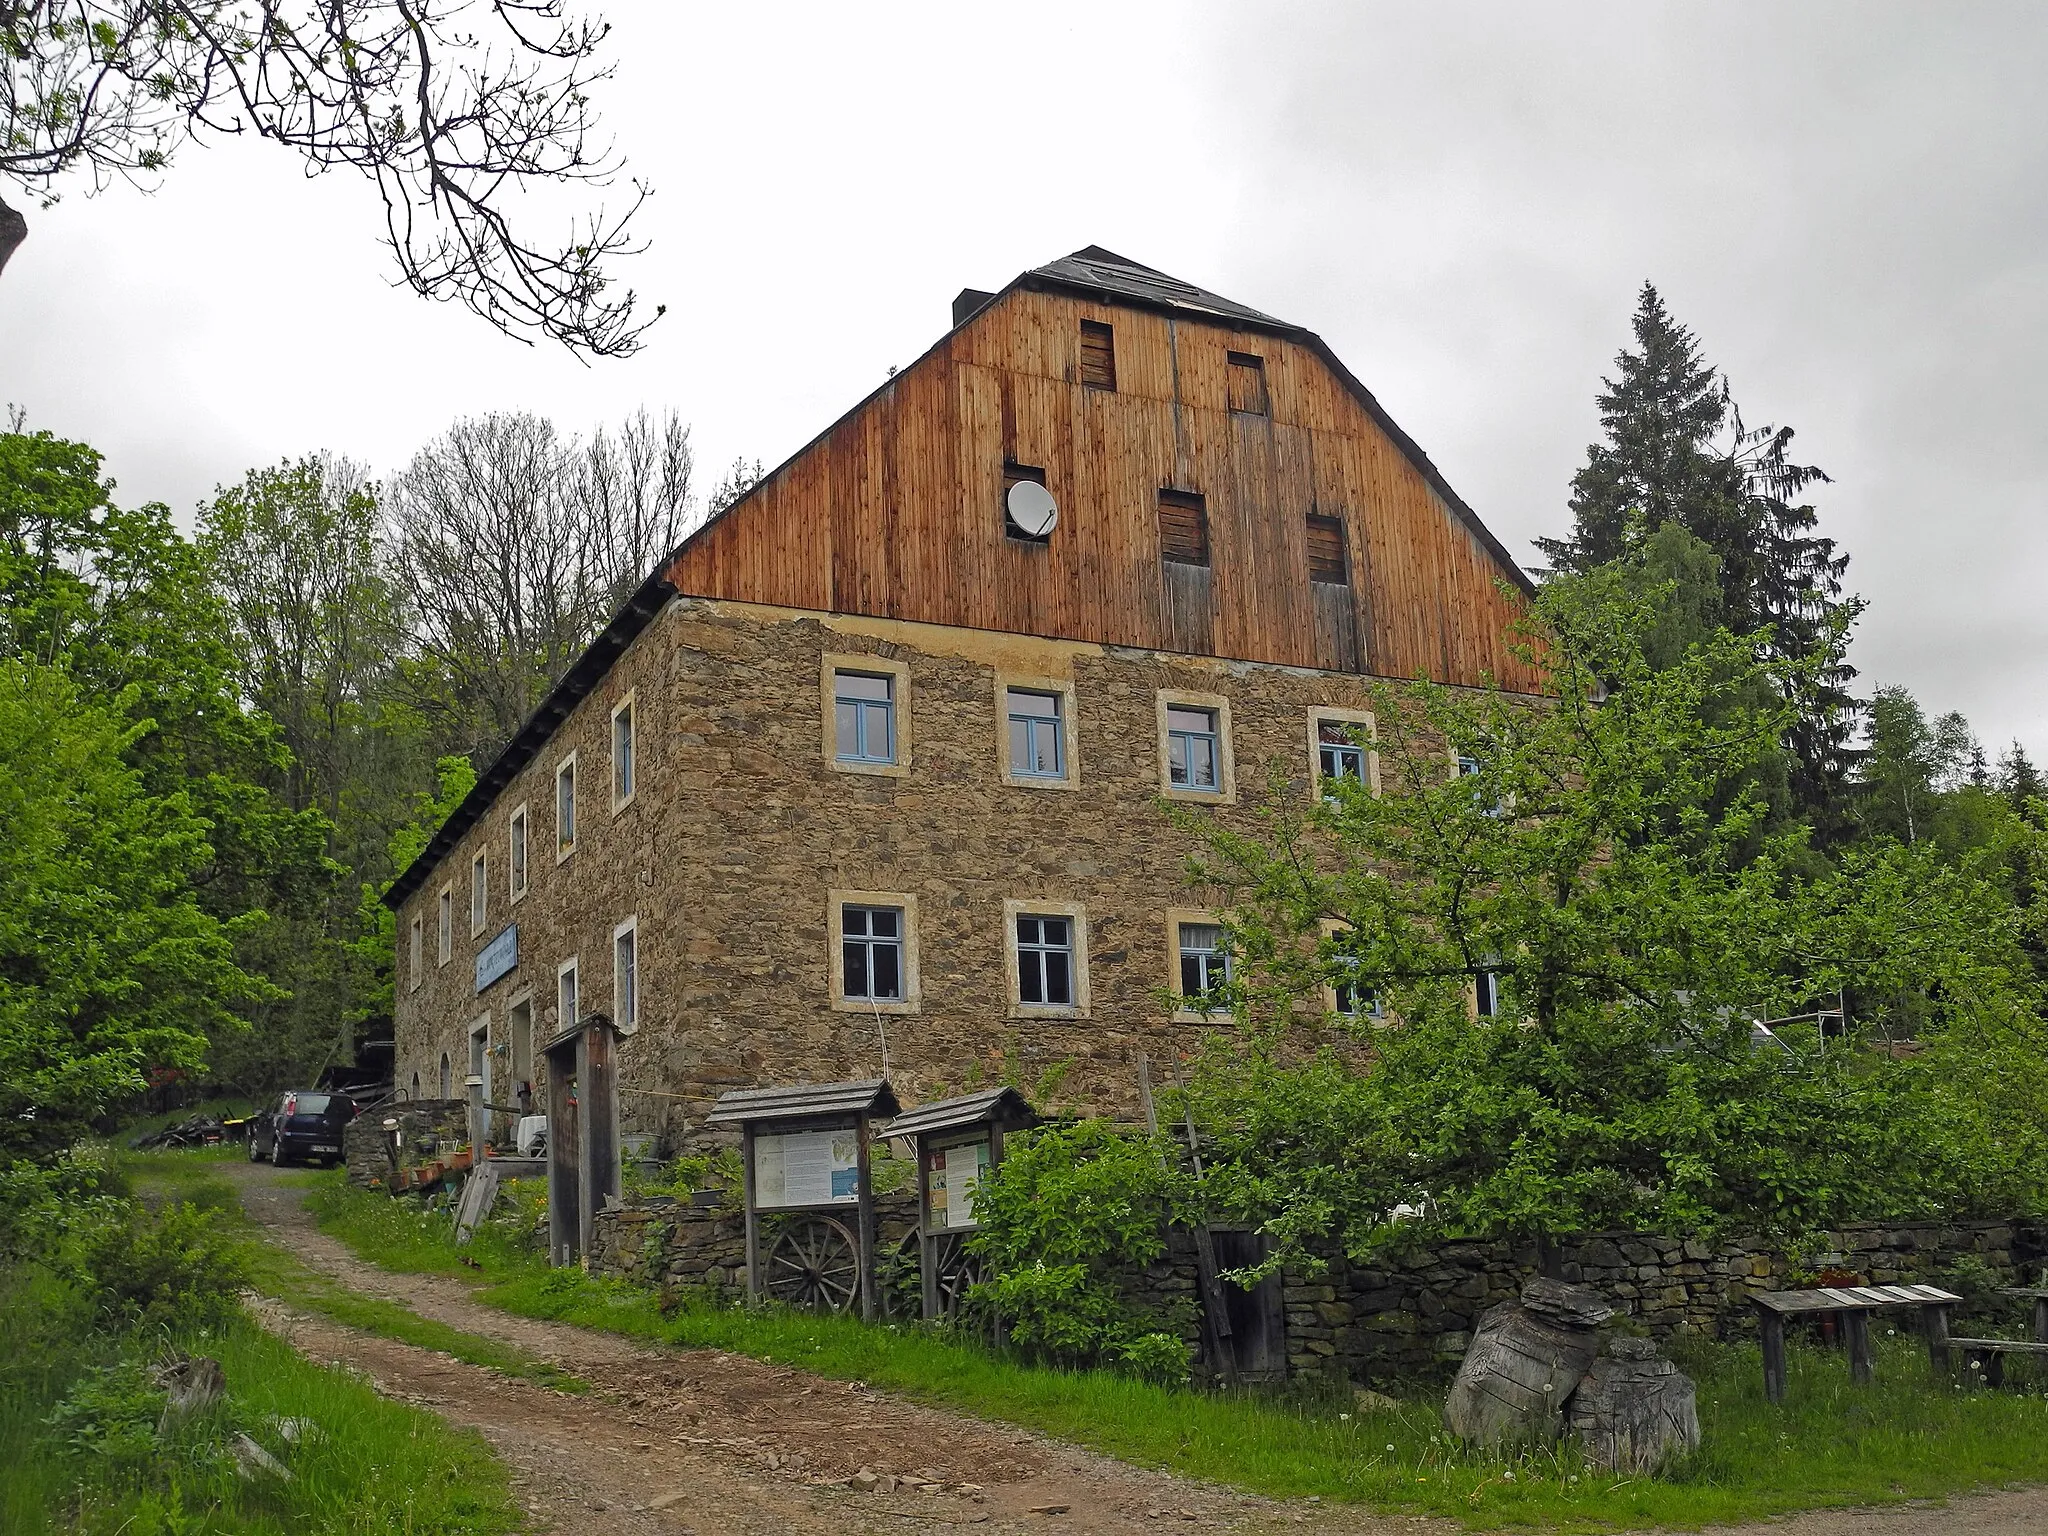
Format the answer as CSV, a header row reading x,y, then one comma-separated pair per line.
x,y
667,1245
742,828
1414,1315
426,1126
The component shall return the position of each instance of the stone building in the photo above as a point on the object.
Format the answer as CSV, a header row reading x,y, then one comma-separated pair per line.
x,y
870,771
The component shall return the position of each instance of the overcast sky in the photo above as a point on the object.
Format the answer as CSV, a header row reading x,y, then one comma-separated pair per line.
x,y
1846,202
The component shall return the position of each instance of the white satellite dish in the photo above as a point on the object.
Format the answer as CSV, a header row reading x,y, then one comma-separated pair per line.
x,y
1032,509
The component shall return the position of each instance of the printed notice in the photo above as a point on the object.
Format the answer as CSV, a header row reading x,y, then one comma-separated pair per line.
x,y
806,1168
950,1176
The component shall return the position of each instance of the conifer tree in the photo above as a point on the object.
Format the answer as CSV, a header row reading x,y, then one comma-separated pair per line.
x,y
1677,450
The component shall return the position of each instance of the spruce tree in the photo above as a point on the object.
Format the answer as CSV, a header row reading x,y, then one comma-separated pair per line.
x,y
1677,450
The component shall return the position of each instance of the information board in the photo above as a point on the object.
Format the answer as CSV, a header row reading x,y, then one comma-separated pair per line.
x,y
950,1176
806,1168
497,958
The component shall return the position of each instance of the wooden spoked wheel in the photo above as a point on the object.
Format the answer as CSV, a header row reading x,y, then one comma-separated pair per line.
x,y
815,1265
957,1270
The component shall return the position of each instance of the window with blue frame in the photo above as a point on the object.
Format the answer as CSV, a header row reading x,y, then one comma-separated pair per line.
x,y
1204,961
1193,749
864,717
1045,961
1339,754
1037,735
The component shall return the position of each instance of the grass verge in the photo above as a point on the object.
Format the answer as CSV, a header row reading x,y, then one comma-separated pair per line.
x,y
1831,1445
186,1176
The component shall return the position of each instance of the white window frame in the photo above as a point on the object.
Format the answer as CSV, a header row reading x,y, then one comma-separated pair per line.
x,y
626,708
1225,792
444,925
567,972
899,711
835,928
1060,689
1176,919
481,1028
1077,918
518,859
417,954
1376,1014
479,892
566,766
1485,987
626,1018
1338,716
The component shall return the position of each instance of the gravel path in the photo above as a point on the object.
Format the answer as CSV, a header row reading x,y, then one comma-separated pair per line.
x,y
704,1443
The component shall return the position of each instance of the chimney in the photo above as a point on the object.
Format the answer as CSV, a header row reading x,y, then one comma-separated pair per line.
x,y
967,302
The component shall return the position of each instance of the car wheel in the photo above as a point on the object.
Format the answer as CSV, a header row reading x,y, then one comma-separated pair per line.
x,y
254,1155
277,1153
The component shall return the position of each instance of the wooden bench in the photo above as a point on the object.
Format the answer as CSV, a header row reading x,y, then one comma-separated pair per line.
x,y
1988,1355
2038,1295
1854,1304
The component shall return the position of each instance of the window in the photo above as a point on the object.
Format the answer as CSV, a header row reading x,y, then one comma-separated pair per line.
x,y
864,717
515,859
1465,767
623,764
1204,962
415,1086
1037,747
1349,997
1326,560
1247,383
871,954
1183,528
447,1075
565,994
1486,994
1045,961
626,976
479,893
1342,748
1098,355
1015,475
417,953
1192,749
565,807
444,940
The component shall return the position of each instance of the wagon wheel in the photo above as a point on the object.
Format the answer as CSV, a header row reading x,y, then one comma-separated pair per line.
x,y
815,1265
958,1269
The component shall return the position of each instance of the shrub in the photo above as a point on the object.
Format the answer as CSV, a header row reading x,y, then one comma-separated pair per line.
x,y
178,1267
1066,1222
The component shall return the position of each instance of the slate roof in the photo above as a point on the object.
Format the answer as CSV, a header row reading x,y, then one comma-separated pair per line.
x,y
871,1096
991,1104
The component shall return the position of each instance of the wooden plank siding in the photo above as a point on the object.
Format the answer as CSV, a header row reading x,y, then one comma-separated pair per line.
x,y
896,512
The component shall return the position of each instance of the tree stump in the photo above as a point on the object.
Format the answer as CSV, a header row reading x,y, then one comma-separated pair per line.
x,y
1526,1359
1634,1409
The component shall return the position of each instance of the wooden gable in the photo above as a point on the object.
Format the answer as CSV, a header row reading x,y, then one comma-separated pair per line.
x,y
897,510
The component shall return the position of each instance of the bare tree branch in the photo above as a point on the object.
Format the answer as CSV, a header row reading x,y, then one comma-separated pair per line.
x,y
448,106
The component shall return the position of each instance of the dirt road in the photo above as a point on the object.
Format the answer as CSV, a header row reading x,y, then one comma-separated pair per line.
x,y
703,1443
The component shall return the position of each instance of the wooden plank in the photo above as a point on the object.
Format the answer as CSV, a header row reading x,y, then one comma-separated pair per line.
x,y
1771,1326
1862,1359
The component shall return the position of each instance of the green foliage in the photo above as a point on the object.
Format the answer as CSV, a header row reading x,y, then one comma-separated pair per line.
x,y
179,1266
1065,1222
1614,868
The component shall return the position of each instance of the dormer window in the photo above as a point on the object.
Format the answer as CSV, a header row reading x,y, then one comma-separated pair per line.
x,y
1248,384
1098,355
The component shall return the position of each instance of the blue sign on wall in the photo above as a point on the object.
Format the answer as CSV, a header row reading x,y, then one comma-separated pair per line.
x,y
497,957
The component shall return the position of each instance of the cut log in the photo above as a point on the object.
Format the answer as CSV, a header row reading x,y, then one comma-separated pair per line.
x,y
1634,1410
1516,1376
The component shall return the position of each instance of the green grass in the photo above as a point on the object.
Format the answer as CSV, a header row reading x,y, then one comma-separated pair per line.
x,y
80,1452
275,1272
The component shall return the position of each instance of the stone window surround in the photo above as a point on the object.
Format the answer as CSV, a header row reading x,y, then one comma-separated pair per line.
x,y
516,893
481,1025
1378,1016
563,971
444,924
562,850
1175,916
630,926
1225,792
832,664
626,707
1070,749
1077,913
836,901
479,892
416,954
1364,717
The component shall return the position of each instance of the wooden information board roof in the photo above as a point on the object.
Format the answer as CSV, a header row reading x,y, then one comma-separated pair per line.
x,y
1845,1298
984,1108
800,1101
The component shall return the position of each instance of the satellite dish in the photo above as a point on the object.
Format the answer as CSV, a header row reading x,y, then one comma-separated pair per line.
x,y
1032,509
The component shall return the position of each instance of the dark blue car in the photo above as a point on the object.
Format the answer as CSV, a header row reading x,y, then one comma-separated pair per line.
x,y
303,1126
